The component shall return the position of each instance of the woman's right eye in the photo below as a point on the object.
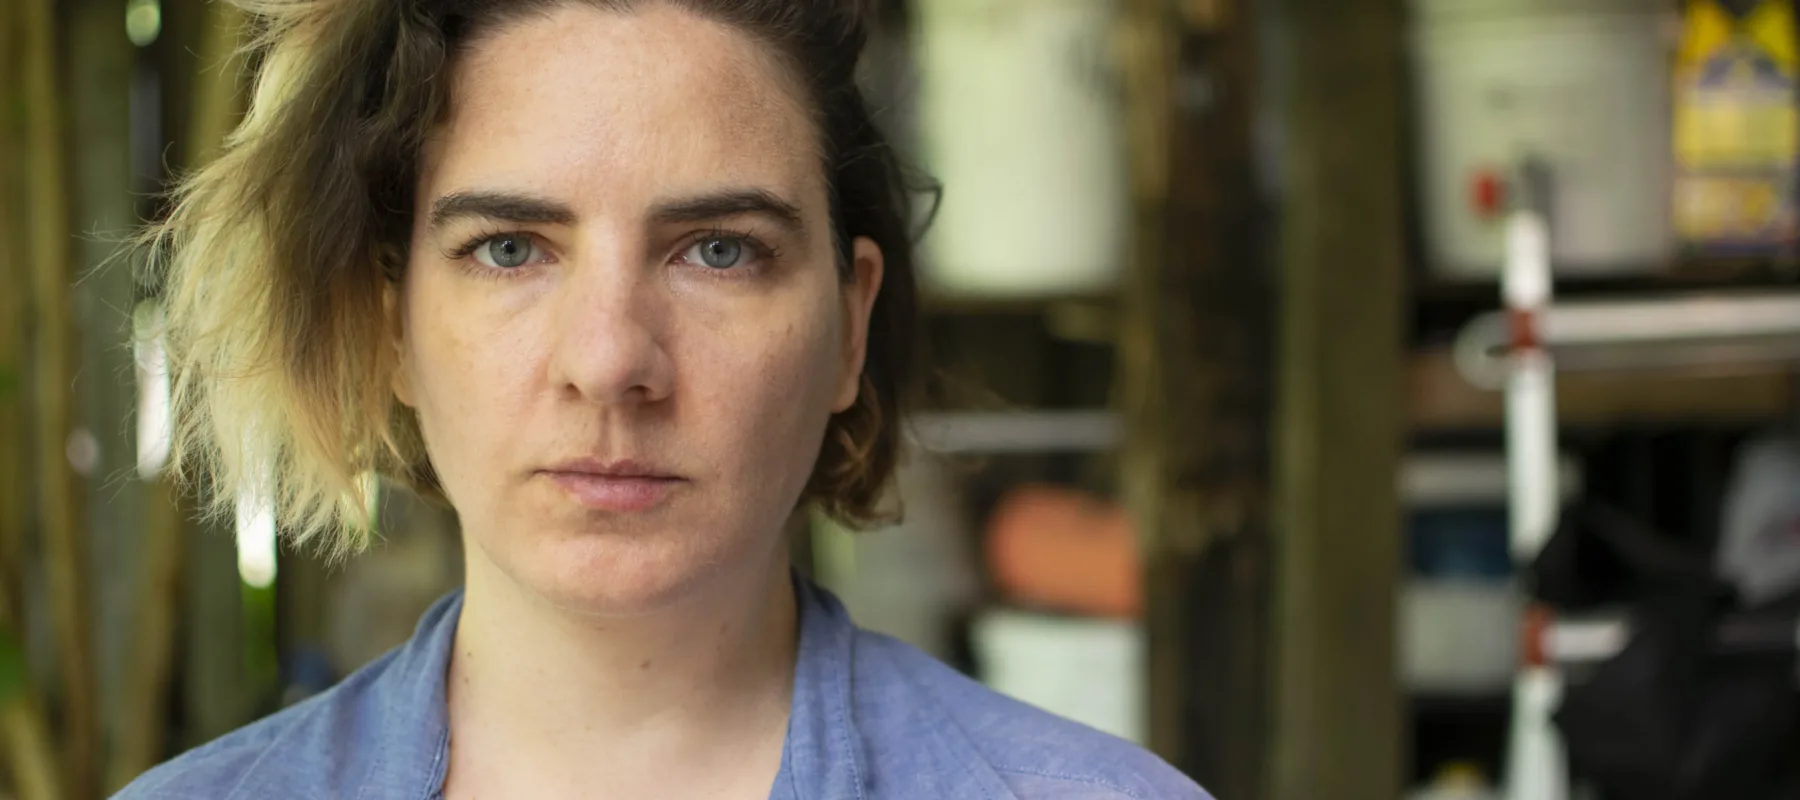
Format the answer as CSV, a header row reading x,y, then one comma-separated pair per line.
x,y
507,251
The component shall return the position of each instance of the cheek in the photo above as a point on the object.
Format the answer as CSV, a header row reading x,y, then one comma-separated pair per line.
x,y
770,389
464,370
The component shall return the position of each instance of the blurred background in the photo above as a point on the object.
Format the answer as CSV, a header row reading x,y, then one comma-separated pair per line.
x,y
1343,398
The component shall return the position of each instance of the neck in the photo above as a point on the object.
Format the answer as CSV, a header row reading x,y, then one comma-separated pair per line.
x,y
572,699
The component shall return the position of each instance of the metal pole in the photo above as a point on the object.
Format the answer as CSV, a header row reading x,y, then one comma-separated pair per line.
x,y
1535,762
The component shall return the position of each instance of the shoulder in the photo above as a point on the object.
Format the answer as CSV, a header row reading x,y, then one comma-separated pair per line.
x,y
378,733
1038,755
288,752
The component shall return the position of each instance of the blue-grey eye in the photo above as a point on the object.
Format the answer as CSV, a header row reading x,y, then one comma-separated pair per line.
x,y
720,252
507,251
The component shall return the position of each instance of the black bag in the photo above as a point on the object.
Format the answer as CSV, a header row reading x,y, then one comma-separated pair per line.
x,y
1670,717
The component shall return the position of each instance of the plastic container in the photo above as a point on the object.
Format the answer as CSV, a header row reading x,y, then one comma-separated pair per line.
x,y
1088,670
1062,550
1459,636
1459,613
1581,85
1021,118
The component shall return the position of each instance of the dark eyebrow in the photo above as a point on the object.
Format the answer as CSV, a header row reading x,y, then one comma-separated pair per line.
x,y
730,203
500,206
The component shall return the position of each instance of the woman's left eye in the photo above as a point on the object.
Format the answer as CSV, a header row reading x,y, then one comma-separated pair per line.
x,y
720,252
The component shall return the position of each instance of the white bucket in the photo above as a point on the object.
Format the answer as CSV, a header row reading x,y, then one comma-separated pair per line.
x,y
1458,636
1021,119
1088,670
1583,85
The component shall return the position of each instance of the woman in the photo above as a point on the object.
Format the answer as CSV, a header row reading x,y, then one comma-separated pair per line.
x,y
625,283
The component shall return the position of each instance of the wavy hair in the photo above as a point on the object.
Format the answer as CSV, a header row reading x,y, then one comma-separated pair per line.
x,y
276,255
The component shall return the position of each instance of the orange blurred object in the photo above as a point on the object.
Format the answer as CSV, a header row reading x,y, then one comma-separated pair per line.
x,y
1064,550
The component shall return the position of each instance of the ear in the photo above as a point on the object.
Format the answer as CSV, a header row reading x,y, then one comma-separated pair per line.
x,y
858,297
395,339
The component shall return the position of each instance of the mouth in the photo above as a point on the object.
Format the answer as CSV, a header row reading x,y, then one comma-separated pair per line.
x,y
618,487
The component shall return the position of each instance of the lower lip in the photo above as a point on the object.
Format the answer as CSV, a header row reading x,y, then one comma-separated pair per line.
x,y
617,494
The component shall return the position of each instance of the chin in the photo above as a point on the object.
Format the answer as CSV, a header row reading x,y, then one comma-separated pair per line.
x,y
626,575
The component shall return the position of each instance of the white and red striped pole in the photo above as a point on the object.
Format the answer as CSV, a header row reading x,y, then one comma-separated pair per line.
x,y
1535,767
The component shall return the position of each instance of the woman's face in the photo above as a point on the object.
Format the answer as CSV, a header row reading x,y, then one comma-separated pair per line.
x,y
622,325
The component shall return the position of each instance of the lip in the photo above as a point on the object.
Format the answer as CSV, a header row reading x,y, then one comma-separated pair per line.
x,y
616,486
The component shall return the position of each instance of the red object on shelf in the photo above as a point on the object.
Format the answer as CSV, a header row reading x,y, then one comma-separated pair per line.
x,y
1487,193
1065,550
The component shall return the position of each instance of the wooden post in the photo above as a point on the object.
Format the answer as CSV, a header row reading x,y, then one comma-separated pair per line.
x,y
145,692
25,737
59,487
1341,412
15,511
98,75
169,508
1194,385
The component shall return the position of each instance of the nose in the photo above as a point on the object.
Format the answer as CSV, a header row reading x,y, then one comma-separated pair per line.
x,y
609,346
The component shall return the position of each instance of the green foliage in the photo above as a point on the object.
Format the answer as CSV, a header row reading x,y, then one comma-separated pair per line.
x,y
12,667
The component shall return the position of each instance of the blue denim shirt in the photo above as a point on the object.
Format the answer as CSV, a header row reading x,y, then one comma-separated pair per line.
x,y
872,719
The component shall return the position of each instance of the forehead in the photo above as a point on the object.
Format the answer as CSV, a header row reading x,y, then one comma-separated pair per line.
x,y
590,104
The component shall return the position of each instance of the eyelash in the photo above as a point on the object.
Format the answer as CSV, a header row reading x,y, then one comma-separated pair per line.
x,y
468,247
763,254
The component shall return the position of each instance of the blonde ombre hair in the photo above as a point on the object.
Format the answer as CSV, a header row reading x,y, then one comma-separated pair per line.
x,y
279,256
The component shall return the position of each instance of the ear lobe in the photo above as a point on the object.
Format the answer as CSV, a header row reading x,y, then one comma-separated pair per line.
x,y
859,295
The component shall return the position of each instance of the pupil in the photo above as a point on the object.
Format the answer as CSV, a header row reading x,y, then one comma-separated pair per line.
x,y
720,253
507,251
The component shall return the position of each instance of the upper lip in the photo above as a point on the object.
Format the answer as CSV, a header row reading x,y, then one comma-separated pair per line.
x,y
612,469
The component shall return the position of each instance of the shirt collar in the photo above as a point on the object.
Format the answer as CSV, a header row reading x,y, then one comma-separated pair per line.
x,y
413,722
821,758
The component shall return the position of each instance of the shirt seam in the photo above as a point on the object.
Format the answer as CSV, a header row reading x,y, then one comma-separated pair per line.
x,y
268,748
1086,780
376,764
793,776
844,697
434,785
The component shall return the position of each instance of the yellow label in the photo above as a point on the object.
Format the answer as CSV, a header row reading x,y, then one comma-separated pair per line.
x,y
1736,125
1771,26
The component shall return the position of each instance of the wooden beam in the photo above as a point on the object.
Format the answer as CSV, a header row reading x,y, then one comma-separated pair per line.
x,y
144,708
1193,388
1339,728
59,487
97,75
202,67
15,444
25,737
29,747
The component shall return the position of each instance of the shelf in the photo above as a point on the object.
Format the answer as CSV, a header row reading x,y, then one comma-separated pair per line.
x,y
1016,432
1635,333
1684,276
1441,306
1449,480
1441,400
